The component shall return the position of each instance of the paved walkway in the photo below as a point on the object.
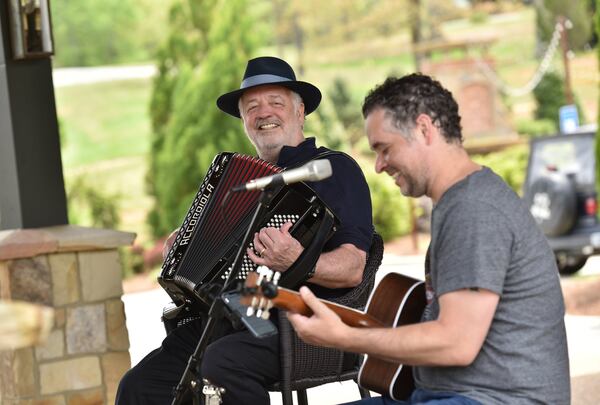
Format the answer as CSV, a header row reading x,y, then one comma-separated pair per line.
x,y
146,332
73,76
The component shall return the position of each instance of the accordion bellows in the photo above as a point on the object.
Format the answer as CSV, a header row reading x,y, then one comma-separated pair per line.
x,y
217,220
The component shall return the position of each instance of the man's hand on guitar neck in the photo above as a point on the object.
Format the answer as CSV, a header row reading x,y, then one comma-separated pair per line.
x,y
323,328
275,248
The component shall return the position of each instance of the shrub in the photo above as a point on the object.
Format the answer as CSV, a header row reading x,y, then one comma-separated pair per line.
x,y
391,215
478,17
132,261
89,206
323,125
510,164
550,96
535,128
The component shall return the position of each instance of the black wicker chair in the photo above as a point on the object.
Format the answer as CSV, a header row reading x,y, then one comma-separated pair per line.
x,y
305,366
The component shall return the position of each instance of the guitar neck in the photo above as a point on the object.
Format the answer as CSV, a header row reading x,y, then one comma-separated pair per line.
x,y
291,301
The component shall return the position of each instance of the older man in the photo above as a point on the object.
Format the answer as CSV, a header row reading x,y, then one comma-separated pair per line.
x,y
272,105
493,330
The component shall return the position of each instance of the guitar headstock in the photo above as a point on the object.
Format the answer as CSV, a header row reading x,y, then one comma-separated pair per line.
x,y
259,289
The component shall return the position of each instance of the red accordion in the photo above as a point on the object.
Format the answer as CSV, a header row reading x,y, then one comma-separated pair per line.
x,y
216,222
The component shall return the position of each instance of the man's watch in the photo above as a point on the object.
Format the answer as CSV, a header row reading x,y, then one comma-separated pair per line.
x,y
311,273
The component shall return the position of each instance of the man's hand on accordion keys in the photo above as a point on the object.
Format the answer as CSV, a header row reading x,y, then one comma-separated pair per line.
x,y
275,248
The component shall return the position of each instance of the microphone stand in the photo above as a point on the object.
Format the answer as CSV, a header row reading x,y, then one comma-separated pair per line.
x,y
190,379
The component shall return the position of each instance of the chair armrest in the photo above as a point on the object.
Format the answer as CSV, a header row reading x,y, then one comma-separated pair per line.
x,y
358,296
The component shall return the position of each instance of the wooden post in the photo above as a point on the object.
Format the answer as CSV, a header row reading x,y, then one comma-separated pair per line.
x,y
415,32
564,43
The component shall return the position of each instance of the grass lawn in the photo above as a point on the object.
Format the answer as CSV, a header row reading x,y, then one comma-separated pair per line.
x,y
103,121
105,136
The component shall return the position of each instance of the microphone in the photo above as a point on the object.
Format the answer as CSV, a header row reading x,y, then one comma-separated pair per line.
x,y
314,170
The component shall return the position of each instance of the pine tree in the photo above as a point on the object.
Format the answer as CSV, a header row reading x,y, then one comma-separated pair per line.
x,y
189,129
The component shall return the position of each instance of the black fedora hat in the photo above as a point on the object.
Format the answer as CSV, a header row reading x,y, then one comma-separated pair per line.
x,y
270,70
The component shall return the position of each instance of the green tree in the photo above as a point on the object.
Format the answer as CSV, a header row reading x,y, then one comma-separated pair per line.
x,y
323,125
577,11
184,48
347,110
93,32
186,45
510,164
550,96
190,130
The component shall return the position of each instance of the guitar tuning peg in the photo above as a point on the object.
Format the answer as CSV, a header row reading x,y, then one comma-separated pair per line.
x,y
276,277
261,276
260,308
269,289
265,314
264,273
251,308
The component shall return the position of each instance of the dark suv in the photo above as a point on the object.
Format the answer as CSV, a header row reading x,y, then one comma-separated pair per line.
x,y
560,189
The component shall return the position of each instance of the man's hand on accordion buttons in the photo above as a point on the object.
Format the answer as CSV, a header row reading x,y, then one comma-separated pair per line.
x,y
275,248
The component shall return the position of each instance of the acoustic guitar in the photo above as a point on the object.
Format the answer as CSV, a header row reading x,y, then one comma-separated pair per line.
x,y
398,300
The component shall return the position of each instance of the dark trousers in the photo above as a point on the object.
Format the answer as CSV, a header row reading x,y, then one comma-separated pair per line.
x,y
235,360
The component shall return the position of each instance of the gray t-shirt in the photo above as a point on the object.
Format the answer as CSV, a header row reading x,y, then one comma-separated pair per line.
x,y
484,237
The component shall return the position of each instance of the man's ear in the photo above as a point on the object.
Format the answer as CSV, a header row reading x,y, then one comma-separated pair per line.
x,y
301,115
425,127
301,111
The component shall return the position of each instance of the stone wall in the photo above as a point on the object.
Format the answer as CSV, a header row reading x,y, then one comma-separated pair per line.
x,y
76,271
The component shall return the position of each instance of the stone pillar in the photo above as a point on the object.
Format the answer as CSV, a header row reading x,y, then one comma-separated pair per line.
x,y
76,271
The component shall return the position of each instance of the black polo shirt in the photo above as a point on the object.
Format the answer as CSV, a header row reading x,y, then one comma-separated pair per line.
x,y
347,194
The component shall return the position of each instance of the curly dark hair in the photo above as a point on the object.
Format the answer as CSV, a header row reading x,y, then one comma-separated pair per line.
x,y
408,96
